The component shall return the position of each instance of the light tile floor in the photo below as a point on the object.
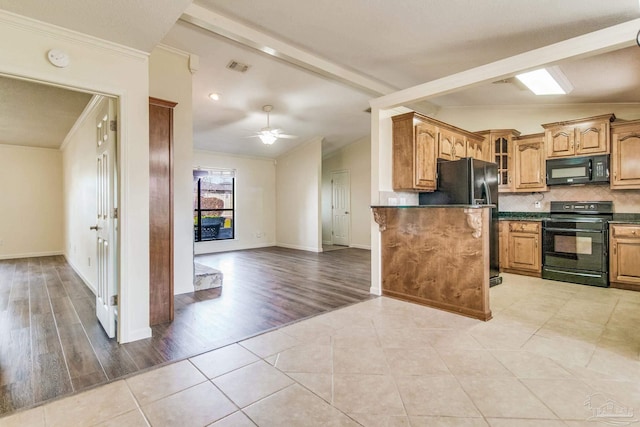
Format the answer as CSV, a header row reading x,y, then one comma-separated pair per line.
x,y
555,354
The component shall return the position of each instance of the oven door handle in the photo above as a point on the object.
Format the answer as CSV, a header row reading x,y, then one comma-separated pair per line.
x,y
573,220
572,230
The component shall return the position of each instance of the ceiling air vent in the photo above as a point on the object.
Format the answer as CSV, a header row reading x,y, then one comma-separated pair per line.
x,y
238,66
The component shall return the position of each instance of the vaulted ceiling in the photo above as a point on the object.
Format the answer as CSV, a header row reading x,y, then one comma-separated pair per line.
x,y
318,63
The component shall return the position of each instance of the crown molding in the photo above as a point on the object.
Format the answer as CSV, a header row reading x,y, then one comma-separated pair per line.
x,y
24,23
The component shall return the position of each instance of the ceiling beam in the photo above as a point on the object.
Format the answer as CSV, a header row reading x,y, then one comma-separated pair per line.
x,y
597,42
247,36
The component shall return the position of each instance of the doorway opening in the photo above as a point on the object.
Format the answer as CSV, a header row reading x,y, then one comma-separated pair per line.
x,y
340,210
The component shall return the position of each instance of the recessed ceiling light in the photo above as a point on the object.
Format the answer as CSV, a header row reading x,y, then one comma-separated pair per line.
x,y
546,81
214,96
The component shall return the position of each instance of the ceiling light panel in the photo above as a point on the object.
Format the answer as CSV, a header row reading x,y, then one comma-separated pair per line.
x,y
546,81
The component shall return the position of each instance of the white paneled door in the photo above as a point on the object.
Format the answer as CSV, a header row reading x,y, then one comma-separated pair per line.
x,y
106,292
341,207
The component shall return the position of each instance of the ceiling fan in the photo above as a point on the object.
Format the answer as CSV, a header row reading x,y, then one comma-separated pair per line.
x,y
268,135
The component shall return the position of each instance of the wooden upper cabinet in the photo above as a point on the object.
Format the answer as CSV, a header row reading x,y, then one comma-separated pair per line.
x,y
447,144
459,147
415,143
529,163
426,138
499,143
560,141
456,143
478,149
592,137
579,137
625,155
418,141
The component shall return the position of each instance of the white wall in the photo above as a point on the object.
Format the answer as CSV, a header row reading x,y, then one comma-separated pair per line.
x,y
99,66
298,189
30,202
170,79
255,222
80,197
355,158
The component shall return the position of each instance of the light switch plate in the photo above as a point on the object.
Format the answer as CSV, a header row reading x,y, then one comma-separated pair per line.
x,y
538,205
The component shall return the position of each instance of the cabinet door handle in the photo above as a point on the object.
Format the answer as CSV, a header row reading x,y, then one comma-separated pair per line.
x,y
536,243
615,247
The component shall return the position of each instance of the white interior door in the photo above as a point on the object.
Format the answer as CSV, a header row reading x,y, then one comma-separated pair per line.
x,y
106,299
341,207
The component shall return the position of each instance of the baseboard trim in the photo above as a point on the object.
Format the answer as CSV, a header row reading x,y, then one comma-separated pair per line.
x,y
300,248
327,242
204,251
86,282
367,247
138,334
31,255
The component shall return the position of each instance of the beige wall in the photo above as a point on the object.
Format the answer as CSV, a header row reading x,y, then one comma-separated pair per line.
x,y
298,186
355,158
255,201
98,66
528,119
170,79
30,202
80,198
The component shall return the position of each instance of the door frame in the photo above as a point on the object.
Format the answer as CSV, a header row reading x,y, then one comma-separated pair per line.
x,y
119,180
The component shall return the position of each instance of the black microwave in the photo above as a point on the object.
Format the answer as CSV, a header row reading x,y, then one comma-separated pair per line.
x,y
578,170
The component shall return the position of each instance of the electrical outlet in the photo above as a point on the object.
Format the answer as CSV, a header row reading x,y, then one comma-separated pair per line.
x,y
538,205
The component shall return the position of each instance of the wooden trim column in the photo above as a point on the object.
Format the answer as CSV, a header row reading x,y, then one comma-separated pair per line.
x,y
160,211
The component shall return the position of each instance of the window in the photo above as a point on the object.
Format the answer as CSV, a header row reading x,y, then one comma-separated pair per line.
x,y
213,204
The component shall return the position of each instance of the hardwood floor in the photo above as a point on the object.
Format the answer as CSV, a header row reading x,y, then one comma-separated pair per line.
x,y
51,343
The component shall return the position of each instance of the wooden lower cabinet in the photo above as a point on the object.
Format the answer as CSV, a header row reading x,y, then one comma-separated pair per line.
x,y
521,249
624,256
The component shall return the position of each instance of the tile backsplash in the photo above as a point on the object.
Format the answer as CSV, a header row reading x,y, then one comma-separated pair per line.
x,y
624,201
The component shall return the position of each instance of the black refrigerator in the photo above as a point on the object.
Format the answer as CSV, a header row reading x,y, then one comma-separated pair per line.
x,y
470,182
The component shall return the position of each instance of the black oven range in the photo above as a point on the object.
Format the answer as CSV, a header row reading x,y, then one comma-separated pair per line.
x,y
575,243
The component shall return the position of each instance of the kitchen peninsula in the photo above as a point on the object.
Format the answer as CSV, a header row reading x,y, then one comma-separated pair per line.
x,y
437,255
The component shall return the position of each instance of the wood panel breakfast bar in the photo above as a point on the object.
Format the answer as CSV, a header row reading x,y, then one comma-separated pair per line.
x,y
437,255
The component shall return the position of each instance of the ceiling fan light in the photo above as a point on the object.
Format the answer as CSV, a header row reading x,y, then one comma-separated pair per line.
x,y
267,138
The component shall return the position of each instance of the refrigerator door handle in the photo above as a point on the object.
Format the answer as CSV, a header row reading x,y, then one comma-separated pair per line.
x,y
487,193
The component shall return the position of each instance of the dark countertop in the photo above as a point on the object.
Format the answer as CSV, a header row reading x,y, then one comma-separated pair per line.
x,y
523,216
618,218
625,218
433,206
